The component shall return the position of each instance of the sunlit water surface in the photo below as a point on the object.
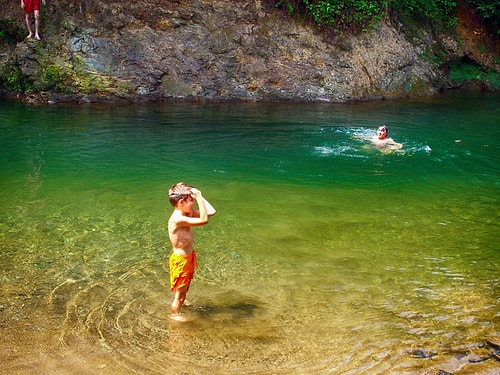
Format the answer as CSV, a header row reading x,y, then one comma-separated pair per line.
x,y
327,256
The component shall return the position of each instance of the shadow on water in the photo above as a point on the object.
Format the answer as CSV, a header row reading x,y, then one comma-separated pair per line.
x,y
231,308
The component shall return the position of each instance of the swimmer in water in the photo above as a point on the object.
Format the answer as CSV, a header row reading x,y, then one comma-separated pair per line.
x,y
381,140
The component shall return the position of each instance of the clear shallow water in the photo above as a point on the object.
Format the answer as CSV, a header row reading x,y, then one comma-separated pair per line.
x,y
326,255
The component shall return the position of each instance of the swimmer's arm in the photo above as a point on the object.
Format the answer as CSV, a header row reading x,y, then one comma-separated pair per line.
x,y
377,142
394,145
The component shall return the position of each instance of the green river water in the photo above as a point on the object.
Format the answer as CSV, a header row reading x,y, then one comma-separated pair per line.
x,y
326,256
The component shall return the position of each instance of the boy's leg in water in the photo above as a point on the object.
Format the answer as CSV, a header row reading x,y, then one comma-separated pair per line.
x,y
180,297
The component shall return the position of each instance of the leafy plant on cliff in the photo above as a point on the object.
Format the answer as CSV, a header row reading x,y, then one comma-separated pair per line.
x,y
346,13
12,79
342,14
54,78
354,14
489,11
467,70
289,5
438,13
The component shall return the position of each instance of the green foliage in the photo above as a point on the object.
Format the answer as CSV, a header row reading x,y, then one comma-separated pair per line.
x,y
486,8
355,14
52,77
343,14
463,71
492,76
289,5
438,13
467,70
489,11
12,79
346,13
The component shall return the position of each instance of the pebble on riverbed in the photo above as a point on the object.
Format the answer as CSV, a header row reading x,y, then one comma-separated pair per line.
x,y
423,353
436,372
493,341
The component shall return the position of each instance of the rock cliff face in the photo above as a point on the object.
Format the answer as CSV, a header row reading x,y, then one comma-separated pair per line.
x,y
223,50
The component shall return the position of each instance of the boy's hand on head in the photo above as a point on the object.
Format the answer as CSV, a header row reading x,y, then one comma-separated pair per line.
x,y
195,193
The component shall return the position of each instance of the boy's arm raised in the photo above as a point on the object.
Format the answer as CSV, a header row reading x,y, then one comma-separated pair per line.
x,y
201,205
210,209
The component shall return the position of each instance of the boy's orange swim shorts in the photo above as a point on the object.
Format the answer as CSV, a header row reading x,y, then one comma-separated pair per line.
x,y
181,270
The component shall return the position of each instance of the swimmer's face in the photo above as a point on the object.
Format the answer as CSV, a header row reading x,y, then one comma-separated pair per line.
x,y
382,133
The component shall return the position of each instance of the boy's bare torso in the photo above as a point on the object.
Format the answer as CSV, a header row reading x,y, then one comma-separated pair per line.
x,y
181,237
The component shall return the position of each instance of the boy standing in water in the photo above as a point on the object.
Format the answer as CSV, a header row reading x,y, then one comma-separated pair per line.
x,y
32,6
182,262
382,141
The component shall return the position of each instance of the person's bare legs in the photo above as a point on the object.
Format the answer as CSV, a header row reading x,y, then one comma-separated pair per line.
x,y
28,24
180,297
37,24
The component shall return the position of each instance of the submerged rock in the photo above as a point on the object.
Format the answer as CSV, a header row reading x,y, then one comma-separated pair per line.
x,y
436,372
423,353
493,341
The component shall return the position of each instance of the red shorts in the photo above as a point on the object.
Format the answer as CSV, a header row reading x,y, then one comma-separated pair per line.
x,y
31,5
